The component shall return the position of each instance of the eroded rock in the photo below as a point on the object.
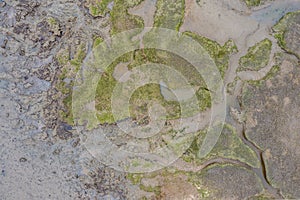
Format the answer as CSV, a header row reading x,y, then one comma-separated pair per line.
x,y
226,182
272,112
287,32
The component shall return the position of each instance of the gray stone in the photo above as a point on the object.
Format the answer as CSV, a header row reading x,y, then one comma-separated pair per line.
x,y
272,123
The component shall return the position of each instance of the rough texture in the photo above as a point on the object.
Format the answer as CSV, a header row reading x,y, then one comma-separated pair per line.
x,y
257,56
229,146
40,157
43,45
287,32
226,182
272,113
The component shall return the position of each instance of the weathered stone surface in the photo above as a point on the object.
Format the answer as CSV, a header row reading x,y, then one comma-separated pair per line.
x,y
43,44
217,181
287,31
272,115
229,146
226,182
177,187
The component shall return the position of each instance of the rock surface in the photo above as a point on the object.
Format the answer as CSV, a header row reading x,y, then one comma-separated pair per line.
x,y
43,45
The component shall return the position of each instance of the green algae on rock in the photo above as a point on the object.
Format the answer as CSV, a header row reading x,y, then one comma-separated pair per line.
x,y
98,8
150,92
169,14
287,33
273,71
219,53
172,19
70,67
97,41
104,91
229,146
257,56
252,3
121,19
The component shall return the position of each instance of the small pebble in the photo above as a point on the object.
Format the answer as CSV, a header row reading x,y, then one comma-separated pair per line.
x,y
3,42
67,127
23,159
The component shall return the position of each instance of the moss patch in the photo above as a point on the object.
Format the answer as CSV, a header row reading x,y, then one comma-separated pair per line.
x,y
257,56
97,40
64,84
169,14
104,91
98,7
229,145
219,53
286,31
120,18
151,92
147,94
251,3
134,178
274,70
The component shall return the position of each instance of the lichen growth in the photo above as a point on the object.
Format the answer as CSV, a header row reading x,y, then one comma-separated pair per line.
x,y
273,71
169,14
229,146
120,18
168,17
220,54
151,92
251,3
104,91
64,84
97,41
144,96
98,8
283,27
54,26
257,56
134,178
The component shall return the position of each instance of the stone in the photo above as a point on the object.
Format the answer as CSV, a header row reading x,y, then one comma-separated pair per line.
x,y
272,115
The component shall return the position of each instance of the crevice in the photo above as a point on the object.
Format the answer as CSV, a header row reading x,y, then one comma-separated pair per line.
x,y
263,167
193,167
261,172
